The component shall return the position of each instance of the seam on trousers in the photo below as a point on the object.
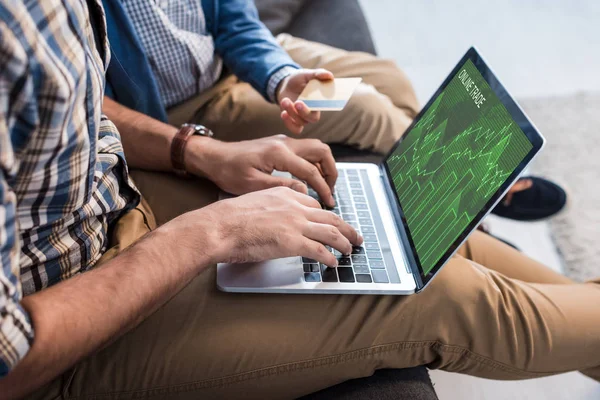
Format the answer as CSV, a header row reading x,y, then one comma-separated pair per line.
x,y
316,363
144,217
491,363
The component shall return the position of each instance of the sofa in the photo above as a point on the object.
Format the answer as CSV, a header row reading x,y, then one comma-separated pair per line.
x,y
341,23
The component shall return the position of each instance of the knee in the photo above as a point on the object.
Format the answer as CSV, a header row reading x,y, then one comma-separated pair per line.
x,y
386,74
458,287
483,313
379,124
467,299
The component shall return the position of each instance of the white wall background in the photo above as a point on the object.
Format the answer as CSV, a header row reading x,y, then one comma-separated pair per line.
x,y
537,47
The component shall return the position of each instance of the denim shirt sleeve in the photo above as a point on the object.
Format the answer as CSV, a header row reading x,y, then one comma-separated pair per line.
x,y
246,45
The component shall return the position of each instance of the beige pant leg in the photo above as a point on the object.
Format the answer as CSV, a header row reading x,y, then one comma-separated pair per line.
x,y
495,255
500,257
170,196
376,116
209,344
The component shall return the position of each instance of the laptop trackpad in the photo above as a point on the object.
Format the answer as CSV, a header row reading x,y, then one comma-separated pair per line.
x,y
273,273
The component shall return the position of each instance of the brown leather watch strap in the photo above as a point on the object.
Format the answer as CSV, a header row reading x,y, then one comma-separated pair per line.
x,y
178,149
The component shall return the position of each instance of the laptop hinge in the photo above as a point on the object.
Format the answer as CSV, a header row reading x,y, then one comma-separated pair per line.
x,y
395,210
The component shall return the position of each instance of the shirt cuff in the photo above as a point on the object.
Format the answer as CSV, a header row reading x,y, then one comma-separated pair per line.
x,y
276,79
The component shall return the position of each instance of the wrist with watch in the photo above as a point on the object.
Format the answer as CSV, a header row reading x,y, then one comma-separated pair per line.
x,y
179,144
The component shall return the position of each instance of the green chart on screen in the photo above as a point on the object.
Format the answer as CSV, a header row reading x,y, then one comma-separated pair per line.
x,y
452,162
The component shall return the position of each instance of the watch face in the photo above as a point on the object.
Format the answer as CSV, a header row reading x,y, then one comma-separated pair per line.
x,y
195,126
198,129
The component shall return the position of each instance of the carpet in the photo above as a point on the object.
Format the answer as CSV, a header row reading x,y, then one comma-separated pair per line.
x,y
571,125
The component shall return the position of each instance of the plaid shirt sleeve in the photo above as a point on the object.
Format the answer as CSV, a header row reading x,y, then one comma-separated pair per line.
x,y
16,332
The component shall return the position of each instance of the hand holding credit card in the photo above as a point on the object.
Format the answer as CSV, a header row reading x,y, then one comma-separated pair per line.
x,y
332,95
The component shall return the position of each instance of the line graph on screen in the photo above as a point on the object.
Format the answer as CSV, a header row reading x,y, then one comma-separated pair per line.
x,y
451,163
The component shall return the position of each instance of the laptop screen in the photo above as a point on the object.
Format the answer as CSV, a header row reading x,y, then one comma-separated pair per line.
x,y
452,161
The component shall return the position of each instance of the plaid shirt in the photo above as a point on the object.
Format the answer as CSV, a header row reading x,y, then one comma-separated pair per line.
x,y
180,51
63,177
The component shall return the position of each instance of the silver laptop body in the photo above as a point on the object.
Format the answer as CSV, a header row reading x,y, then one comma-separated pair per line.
x,y
395,258
386,272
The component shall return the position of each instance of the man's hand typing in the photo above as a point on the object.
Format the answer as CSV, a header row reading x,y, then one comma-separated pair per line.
x,y
274,223
244,167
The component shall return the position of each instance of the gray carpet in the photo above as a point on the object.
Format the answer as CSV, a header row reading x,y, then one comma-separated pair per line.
x,y
571,126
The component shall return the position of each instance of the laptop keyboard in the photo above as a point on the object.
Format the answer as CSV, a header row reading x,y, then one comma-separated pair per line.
x,y
366,264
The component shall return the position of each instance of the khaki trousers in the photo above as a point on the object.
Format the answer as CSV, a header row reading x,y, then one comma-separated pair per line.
x,y
491,312
380,110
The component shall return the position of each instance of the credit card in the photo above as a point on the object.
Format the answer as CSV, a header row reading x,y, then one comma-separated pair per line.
x,y
330,95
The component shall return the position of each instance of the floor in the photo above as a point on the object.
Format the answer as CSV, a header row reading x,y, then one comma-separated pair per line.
x,y
538,49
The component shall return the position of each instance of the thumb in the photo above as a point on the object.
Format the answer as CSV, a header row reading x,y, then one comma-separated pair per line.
x,y
323,74
320,74
270,181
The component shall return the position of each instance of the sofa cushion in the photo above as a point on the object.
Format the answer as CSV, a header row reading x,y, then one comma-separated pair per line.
x,y
277,15
385,384
337,23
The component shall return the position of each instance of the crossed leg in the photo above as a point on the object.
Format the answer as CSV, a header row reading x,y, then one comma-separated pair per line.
x,y
510,319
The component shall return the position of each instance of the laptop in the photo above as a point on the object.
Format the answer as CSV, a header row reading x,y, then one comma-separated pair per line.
x,y
454,163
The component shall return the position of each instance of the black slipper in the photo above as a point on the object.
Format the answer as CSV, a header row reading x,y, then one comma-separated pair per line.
x,y
542,200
